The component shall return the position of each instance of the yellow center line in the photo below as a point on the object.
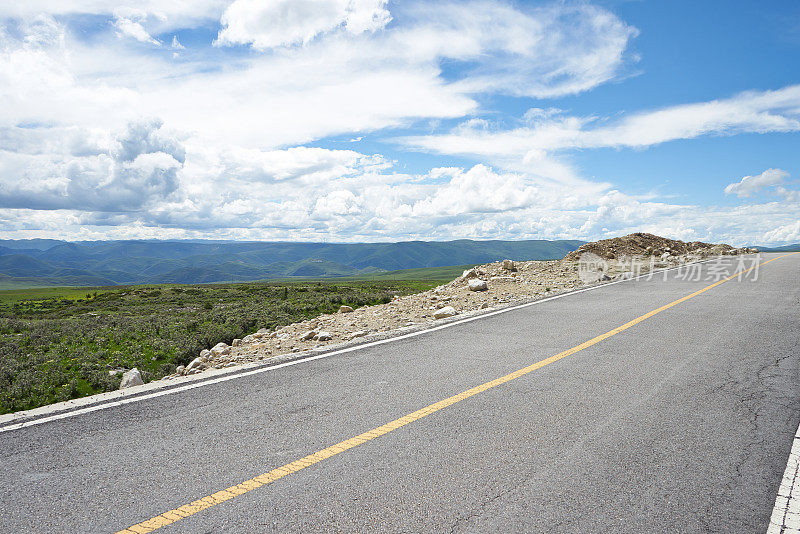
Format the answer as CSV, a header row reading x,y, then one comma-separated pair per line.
x,y
214,499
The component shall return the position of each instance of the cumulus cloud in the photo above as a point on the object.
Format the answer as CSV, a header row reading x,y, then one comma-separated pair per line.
x,y
787,233
751,185
336,195
138,168
286,22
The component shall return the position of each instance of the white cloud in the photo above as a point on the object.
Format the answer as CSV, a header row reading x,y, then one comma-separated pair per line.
x,y
312,194
338,83
312,165
542,52
130,23
287,22
751,185
137,167
176,44
165,15
547,131
787,233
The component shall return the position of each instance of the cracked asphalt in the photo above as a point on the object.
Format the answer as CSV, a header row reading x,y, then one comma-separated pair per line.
x,y
682,423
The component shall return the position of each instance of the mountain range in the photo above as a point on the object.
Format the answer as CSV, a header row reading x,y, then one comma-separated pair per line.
x,y
784,248
46,262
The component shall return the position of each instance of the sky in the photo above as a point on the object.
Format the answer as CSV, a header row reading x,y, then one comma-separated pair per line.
x,y
368,120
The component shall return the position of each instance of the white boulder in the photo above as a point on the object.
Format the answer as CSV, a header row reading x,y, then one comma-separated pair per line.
x,y
196,364
345,309
508,265
131,378
478,285
323,336
469,273
221,349
447,311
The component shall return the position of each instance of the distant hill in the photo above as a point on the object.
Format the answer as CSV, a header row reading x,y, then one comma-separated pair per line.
x,y
784,248
43,262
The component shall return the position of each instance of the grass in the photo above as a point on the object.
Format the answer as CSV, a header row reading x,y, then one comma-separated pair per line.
x,y
58,344
432,274
43,293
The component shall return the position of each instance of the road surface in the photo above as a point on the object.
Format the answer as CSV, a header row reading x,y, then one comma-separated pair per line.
x,y
682,422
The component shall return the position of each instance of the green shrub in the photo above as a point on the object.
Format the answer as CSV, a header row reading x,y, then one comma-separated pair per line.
x,y
58,349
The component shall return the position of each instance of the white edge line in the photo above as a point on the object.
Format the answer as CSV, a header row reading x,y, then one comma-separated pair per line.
x,y
786,500
81,411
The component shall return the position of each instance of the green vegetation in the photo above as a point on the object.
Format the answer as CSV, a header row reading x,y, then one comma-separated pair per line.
x,y
438,274
60,343
70,293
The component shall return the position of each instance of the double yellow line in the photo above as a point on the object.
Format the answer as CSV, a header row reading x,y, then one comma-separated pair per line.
x,y
227,494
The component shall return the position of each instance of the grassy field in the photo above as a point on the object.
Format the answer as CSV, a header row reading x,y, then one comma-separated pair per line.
x,y
433,274
58,344
10,296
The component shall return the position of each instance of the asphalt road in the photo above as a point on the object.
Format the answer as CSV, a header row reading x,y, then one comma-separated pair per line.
x,y
681,423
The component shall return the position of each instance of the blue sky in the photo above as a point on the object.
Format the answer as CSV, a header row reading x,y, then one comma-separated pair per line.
x,y
368,120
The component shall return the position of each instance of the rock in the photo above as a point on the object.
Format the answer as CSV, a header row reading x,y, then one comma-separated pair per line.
x,y
131,378
508,265
469,273
484,306
236,342
196,364
447,311
360,333
345,309
221,349
309,335
665,256
502,279
262,331
205,354
181,369
323,336
478,285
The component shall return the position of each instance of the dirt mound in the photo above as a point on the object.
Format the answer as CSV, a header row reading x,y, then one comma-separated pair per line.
x,y
642,244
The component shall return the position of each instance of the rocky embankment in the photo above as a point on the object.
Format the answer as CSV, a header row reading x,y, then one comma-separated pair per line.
x,y
478,289
643,246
